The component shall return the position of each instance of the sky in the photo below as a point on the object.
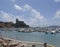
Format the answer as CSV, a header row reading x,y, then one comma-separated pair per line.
x,y
35,13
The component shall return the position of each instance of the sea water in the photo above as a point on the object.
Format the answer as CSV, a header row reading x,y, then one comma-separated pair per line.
x,y
53,39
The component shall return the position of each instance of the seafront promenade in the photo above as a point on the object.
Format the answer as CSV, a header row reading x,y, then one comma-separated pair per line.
x,y
7,42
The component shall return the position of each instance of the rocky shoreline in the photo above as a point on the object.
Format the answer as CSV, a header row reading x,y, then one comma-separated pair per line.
x,y
11,43
7,42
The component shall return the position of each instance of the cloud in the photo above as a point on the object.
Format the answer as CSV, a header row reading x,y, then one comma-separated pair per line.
x,y
32,17
4,15
28,14
7,16
28,9
36,14
57,0
56,18
57,15
17,7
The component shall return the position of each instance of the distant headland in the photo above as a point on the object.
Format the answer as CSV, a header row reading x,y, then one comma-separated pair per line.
x,y
18,24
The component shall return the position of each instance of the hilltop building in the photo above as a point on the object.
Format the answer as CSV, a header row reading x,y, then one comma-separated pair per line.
x,y
18,24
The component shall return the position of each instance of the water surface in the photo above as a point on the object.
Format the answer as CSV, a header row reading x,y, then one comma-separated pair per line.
x,y
34,37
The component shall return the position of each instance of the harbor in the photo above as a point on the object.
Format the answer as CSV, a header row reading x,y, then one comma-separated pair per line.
x,y
30,30
29,23
28,37
34,37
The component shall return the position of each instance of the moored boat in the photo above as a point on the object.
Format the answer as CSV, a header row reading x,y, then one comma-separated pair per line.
x,y
53,32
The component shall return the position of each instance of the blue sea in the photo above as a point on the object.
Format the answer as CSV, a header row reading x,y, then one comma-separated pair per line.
x,y
53,39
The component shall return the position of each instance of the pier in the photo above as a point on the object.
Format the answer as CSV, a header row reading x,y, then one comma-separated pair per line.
x,y
25,43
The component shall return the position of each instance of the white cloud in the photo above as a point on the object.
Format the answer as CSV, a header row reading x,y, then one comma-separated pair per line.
x,y
7,17
17,7
4,15
34,16
27,7
29,15
57,0
56,18
33,12
37,14
57,15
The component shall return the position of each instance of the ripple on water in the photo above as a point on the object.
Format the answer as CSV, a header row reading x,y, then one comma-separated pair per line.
x,y
34,36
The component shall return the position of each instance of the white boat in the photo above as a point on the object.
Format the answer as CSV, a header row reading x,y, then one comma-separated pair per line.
x,y
53,32
47,32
